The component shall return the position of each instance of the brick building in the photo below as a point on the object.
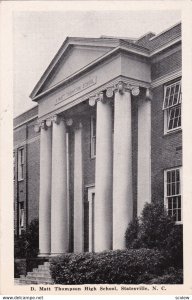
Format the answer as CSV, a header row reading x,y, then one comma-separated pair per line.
x,y
104,139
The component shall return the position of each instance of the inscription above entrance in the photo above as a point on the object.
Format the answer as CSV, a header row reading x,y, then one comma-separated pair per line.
x,y
69,92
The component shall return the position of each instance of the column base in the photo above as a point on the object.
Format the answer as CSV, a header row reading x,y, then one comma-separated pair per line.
x,y
44,255
56,254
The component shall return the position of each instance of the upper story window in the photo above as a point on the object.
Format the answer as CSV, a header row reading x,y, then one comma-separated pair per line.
x,y
93,136
20,164
173,194
172,106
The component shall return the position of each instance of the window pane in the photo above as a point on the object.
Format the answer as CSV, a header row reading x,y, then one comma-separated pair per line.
x,y
172,90
167,92
169,203
175,215
168,177
173,176
179,122
171,100
178,188
173,189
177,111
179,201
175,123
177,175
170,125
179,215
174,203
168,190
177,88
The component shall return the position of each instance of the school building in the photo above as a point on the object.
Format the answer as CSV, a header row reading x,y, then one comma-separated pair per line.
x,y
104,138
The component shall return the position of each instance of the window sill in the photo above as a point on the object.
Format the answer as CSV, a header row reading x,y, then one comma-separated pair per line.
x,y
179,223
172,132
19,180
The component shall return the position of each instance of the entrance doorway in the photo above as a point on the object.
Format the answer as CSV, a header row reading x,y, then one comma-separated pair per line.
x,y
91,203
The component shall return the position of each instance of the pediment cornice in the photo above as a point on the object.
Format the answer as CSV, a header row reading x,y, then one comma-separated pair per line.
x,y
113,46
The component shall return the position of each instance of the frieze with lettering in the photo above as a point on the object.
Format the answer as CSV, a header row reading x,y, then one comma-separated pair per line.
x,y
69,92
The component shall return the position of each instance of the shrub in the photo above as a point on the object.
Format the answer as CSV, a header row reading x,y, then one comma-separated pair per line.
x,y
108,267
20,246
156,230
32,239
27,244
20,267
171,276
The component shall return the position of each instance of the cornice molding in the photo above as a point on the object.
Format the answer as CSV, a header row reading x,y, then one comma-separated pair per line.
x,y
170,43
25,122
123,47
166,78
92,93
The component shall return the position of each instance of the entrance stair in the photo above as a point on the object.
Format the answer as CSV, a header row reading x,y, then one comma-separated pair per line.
x,y
40,275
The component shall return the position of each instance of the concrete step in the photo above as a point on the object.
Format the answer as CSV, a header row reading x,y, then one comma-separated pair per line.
x,y
40,273
39,279
33,276
35,281
43,268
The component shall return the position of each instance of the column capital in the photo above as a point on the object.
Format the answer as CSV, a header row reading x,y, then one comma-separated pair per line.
x,y
37,128
43,125
148,95
69,122
49,122
57,119
122,87
110,91
95,98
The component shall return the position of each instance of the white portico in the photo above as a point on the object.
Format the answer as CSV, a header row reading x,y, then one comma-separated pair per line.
x,y
106,76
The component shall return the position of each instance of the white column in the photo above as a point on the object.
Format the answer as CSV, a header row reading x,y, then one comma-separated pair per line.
x,y
144,154
103,177
45,191
122,166
59,205
78,192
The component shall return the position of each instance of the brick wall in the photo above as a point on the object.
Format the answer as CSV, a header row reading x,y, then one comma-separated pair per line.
x,y
33,169
166,65
27,189
164,148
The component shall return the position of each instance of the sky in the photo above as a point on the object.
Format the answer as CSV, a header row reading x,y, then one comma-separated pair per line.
x,y
37,36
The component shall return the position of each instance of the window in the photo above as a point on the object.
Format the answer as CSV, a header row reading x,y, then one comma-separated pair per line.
x,y
21,216
172,106
93,136
173,194
21,164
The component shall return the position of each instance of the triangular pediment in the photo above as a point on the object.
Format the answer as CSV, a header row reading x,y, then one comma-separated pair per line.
x,y
73,56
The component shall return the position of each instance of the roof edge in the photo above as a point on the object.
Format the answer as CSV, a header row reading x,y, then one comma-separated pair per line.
x,y
162,32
